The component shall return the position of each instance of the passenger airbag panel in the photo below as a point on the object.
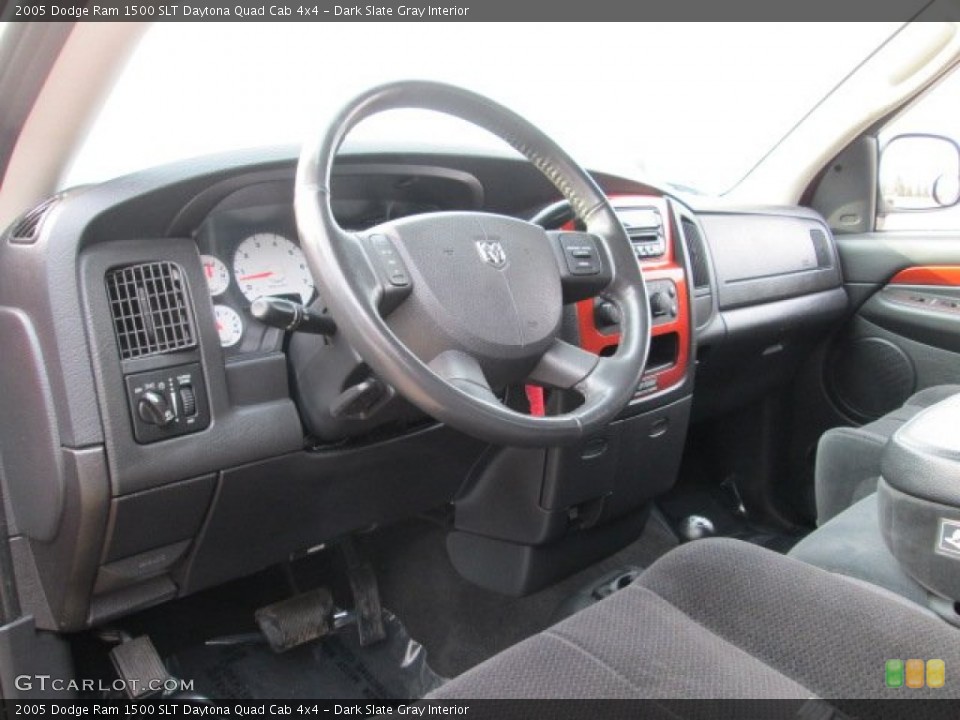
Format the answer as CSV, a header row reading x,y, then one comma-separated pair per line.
x,y
763,257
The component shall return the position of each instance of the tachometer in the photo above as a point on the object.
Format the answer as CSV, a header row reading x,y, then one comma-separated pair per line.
x,y
229,325
216,273
269,264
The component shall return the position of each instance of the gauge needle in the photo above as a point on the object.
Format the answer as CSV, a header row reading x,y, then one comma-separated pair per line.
x,y
256,276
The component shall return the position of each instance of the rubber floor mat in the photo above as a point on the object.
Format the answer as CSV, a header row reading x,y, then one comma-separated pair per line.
x,y
334,668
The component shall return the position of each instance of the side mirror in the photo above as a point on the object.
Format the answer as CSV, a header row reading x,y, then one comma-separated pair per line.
x,y
919,173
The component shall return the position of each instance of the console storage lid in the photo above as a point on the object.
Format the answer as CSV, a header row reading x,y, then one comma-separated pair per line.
x,y
923,457
919,500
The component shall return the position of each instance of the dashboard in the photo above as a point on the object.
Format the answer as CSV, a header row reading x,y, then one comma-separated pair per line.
x,y
176,442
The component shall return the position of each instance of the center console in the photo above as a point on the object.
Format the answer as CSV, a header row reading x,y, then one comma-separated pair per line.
x,y
919,501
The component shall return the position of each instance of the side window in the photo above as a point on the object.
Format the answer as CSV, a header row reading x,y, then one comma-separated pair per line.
x,y
919,184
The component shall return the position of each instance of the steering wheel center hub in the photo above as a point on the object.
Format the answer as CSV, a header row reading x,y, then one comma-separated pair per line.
x,y
484,284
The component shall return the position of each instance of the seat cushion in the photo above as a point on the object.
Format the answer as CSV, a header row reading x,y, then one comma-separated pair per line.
x,y
848,459
721,618
852,544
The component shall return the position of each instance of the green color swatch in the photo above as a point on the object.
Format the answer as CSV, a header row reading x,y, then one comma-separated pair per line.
x,y
894,673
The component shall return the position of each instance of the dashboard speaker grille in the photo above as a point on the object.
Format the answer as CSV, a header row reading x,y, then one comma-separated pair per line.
x,y
698,255
151,315
820,247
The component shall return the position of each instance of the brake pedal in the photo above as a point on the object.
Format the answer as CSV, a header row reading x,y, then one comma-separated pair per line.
x,y
140,667
297,620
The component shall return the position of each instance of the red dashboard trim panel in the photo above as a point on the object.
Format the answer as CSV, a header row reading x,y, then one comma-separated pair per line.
x,y
928,275
667,267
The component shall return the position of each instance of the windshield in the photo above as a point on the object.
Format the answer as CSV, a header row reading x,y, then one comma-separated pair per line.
x,y
695,105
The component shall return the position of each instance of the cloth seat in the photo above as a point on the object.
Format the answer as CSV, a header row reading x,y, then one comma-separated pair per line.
x,y
852,544
722,618
848,459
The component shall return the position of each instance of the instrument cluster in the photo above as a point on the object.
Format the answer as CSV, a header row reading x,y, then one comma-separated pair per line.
x,y
243,261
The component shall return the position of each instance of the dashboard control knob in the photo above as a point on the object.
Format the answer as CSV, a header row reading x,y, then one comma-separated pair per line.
x,y
659,304
153,409
188,400
607,313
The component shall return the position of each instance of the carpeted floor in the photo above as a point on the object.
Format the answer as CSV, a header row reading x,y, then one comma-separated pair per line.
x,y
334,668
712,502
460,624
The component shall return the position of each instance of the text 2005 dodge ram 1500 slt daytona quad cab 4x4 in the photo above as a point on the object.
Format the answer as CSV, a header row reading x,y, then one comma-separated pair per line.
x,y
417,408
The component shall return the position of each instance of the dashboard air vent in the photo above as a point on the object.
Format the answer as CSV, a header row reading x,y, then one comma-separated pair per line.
x,y
150,311
698,253
821,248
24,230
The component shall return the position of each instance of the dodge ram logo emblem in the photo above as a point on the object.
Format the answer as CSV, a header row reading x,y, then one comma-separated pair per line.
x,y
492,253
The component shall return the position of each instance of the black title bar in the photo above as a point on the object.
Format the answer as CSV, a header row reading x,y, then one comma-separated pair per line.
x,y
489,709
472,10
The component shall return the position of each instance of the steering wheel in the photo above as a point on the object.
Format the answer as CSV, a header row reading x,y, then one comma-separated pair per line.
x,y
451,307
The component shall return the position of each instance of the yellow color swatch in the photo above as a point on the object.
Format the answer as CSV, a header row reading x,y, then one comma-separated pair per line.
x,y
915,673
936,673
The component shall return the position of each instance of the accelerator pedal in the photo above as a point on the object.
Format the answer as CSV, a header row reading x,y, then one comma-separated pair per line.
x,y
140,668
297,620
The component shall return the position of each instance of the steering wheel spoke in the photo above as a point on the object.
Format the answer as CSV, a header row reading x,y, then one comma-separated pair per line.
x,y
584,263
376,270
464,373
595,378
563,366
391,282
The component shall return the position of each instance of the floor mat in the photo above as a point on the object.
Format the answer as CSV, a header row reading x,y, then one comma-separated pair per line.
x,y
334,668
461,624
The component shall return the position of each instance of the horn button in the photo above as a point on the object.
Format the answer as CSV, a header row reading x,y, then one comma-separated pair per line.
x,y
485,285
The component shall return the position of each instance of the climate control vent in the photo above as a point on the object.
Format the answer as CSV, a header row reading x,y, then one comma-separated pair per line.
x,y
151,315
24,231
698,253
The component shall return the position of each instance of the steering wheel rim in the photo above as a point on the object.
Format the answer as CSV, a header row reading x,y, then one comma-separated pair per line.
x,y
447,376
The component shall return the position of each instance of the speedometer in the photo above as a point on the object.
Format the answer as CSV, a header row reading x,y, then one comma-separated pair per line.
x,y
269,264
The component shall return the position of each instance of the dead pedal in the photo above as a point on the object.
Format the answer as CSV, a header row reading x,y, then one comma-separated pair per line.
x,y
297,620
139,666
